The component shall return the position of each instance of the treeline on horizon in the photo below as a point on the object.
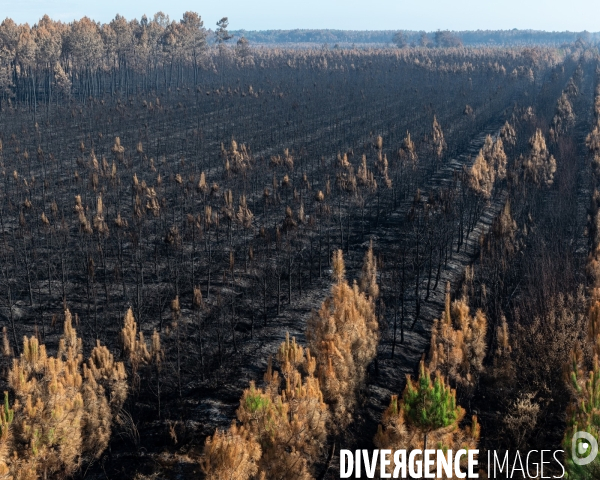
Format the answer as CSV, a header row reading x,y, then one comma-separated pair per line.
x,y
52,61
413,38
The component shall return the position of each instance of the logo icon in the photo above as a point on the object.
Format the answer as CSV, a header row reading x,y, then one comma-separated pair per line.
x,y
585,450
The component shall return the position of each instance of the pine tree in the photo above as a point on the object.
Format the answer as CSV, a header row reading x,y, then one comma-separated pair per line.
x,y
489,165
286,420
99,223
230,454
133,343
118,149
505,228
244,215
290,421
438,142
368,277
482,176
503,367
407,152
539,166
458,344
343,335
63,409
137,353
427,416
243,51
237,158
564,117
508,134
499,159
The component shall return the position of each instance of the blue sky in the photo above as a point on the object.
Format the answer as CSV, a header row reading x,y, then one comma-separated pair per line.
x,y
552,15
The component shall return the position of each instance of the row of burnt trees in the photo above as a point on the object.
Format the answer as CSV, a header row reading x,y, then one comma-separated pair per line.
x,y
497,360
525,282
103,211
428,412
289,246
444,220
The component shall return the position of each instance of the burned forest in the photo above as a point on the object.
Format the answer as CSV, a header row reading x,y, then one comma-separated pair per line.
x,y
222,260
